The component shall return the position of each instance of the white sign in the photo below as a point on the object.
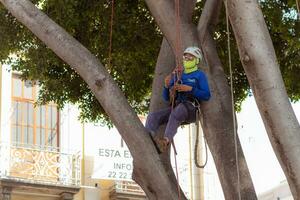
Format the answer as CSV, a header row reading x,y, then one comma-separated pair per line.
x,y
113,163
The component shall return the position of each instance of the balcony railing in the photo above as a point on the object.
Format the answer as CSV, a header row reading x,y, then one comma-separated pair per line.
x,y
127,190
128,187
41,165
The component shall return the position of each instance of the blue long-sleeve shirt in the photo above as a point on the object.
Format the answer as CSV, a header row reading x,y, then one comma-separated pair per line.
x,y
197,80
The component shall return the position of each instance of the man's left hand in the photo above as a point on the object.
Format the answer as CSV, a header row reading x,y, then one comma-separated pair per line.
x,y
183,88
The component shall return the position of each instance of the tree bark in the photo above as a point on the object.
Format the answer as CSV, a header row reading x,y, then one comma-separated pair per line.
x,y
260,64
217,111
145,159
164,15
164,66
222,143
220,138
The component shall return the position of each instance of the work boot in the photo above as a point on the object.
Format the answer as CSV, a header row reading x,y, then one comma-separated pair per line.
x,y
154,143
162,144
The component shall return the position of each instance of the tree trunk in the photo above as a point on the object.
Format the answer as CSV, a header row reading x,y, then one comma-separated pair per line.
x,y
217,111
259,61
222,92
220,138
164,66
145,159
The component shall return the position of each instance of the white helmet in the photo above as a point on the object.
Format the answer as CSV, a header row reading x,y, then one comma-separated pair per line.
x,y
195,51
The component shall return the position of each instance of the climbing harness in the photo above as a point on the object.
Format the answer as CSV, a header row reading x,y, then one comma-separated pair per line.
x,y
232,100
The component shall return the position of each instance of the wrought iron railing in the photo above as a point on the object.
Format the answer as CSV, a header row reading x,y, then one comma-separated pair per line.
x,y
128,187
42,165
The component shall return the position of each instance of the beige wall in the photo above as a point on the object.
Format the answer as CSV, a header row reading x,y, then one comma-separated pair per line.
x,y
31,197
104,195
100,193
79,195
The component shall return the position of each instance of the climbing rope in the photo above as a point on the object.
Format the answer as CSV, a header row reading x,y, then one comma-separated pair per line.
x,y
232,100
111,33
178,46
298,9
178,34
178,71
198,116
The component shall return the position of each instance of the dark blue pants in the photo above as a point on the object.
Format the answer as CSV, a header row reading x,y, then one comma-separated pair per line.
x,y
183,112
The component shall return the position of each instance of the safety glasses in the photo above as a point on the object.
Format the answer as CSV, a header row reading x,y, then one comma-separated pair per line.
x,y
188,57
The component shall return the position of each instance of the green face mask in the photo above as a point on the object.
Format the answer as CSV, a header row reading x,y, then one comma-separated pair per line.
x,y
190,65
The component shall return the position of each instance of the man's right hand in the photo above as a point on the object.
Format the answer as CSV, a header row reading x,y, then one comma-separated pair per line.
x,y
183,88
167,81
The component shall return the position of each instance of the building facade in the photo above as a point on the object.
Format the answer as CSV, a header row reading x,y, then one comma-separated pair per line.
x,y
42,150
34,164
48,154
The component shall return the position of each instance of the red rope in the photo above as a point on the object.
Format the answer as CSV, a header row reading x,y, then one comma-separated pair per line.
x,y
178,71
178,33
178,44
110,34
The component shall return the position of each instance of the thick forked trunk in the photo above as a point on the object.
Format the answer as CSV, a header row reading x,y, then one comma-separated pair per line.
x,y
259,61
220,141
217,119
146,160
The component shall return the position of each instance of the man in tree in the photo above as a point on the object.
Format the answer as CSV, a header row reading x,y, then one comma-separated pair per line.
x,y
183,90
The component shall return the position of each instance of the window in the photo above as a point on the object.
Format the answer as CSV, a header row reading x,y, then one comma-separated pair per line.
x,y
30,124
